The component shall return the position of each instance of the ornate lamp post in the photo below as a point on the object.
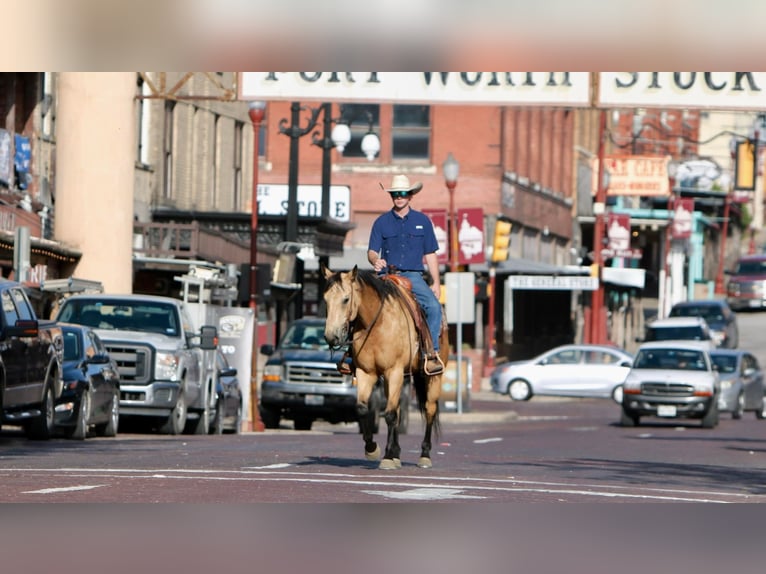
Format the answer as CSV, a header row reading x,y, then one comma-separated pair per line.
x,y
257,111
451,170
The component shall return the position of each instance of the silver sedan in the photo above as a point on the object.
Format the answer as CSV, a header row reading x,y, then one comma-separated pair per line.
x,y
741,382
595,371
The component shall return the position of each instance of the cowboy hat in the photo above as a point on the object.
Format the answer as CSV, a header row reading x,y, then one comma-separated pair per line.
x,y
402,183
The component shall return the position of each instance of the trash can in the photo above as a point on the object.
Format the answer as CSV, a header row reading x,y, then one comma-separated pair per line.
x,y
448,398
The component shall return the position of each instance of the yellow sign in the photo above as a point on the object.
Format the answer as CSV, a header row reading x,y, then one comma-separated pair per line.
x,y
634,175
744,178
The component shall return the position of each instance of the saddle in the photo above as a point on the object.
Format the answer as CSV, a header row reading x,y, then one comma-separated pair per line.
x,y
416,311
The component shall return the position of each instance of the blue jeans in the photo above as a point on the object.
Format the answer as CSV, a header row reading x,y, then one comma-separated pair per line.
x,y
430,304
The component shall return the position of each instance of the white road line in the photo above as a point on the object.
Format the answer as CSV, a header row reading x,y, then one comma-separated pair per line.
x,y
425,494
64,489
487,440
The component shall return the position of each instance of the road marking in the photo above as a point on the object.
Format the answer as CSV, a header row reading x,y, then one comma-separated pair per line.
x,y
276,466
488,440
425,494
64,489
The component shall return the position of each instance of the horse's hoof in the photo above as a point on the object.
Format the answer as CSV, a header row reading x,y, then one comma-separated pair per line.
x,y
390,464
374,455
398,463
424,462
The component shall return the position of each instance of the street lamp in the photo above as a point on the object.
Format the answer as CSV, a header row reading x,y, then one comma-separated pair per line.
x,y
597,329
257,111
451,170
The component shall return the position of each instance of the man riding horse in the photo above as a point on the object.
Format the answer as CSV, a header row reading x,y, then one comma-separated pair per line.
x,y
399,241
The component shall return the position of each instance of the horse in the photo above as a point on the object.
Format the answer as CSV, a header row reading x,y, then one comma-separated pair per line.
x,y
378,317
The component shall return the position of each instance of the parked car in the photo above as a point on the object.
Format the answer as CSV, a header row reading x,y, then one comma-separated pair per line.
x,y
228,411
679,329
718,315
91,393
565,371
741,382
671,379
301,382
747,285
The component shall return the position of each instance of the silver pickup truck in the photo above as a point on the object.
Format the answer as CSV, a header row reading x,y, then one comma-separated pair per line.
x,y
165,374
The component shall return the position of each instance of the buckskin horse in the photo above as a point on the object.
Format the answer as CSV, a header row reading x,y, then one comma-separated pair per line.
x,y
382,321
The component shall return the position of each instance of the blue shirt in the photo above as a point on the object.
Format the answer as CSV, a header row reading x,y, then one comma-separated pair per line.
x,y
403,241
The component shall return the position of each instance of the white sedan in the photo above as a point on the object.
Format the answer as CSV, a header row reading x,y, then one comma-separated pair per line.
x,y
588,371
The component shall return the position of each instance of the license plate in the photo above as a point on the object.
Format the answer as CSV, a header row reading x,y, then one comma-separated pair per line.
x,y
666,411
314,400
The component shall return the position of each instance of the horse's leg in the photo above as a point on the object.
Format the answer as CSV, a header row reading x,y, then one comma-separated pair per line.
x,y
431,412
392,457
365,384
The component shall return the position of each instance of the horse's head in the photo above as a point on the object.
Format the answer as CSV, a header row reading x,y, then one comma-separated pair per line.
x,y
342,303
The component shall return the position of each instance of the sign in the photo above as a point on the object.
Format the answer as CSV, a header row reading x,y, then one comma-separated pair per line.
x,y
683,212
570,89
628,253
618,231
717,90
634,175
744,166
552,282
460,298
272,200
470,235
439,219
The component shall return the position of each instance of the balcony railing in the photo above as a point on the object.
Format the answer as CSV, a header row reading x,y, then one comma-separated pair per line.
x,y
187,241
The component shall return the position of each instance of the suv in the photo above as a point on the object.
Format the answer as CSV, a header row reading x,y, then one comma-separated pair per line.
x,y
718,315
301,382
680,329
747,285
671,379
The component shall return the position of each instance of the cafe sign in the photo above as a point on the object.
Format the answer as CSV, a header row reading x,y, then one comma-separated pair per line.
x,y
634,175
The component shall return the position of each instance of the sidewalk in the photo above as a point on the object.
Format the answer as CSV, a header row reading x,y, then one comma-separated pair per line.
x,y
472,415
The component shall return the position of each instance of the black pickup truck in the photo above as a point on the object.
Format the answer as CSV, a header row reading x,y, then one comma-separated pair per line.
x,y
31,352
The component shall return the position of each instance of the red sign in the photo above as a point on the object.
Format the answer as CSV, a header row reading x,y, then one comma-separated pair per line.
x,y
470,235
439,219
683,212
618,231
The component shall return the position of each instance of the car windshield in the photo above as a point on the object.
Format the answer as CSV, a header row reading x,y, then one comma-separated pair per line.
x,y
677,359
726,364
708,312
150,317
751,268
301,336
674,333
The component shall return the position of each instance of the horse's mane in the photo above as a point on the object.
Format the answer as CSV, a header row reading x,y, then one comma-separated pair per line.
x,y
369,278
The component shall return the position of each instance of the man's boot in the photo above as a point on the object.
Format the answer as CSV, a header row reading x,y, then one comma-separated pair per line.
x,y
433,364
345,365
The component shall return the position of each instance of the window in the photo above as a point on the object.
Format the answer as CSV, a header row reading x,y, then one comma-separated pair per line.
x,y
361,118
216,160
238,161
411,132
143,121
48,106
167,149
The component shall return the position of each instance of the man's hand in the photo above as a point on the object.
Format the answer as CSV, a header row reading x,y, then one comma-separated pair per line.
x,y
380,265
437,290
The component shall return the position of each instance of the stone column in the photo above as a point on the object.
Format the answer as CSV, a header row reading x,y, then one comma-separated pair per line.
x,y
95,158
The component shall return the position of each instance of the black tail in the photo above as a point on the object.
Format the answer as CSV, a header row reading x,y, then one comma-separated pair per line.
x,y
420,383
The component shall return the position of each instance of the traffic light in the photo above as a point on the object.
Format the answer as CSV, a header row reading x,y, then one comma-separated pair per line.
x,y
502,240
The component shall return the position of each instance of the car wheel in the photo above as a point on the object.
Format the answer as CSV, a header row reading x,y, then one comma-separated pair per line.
x,y
109,428
303,423
629,420
710,420
760,412
42,427
80,429
176,421
270,417
519,390
219,416
739,408
617,394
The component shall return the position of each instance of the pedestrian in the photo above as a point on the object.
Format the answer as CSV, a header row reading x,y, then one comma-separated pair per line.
x,y
400,240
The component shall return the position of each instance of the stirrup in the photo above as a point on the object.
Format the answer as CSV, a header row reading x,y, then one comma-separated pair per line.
x,y
438,368
344,366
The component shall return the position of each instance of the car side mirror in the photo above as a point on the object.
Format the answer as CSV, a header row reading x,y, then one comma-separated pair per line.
x,y
98,359
208,336
626,364
228,372
267,349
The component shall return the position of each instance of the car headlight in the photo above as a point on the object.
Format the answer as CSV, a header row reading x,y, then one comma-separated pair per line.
x,y
726,384
718,336
166,367
631,387
272,373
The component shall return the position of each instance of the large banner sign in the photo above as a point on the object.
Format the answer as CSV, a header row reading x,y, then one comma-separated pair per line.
x,y
712,90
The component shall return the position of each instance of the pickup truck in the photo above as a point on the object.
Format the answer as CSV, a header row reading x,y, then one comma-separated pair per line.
x,y
31,353
747,284
166,375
